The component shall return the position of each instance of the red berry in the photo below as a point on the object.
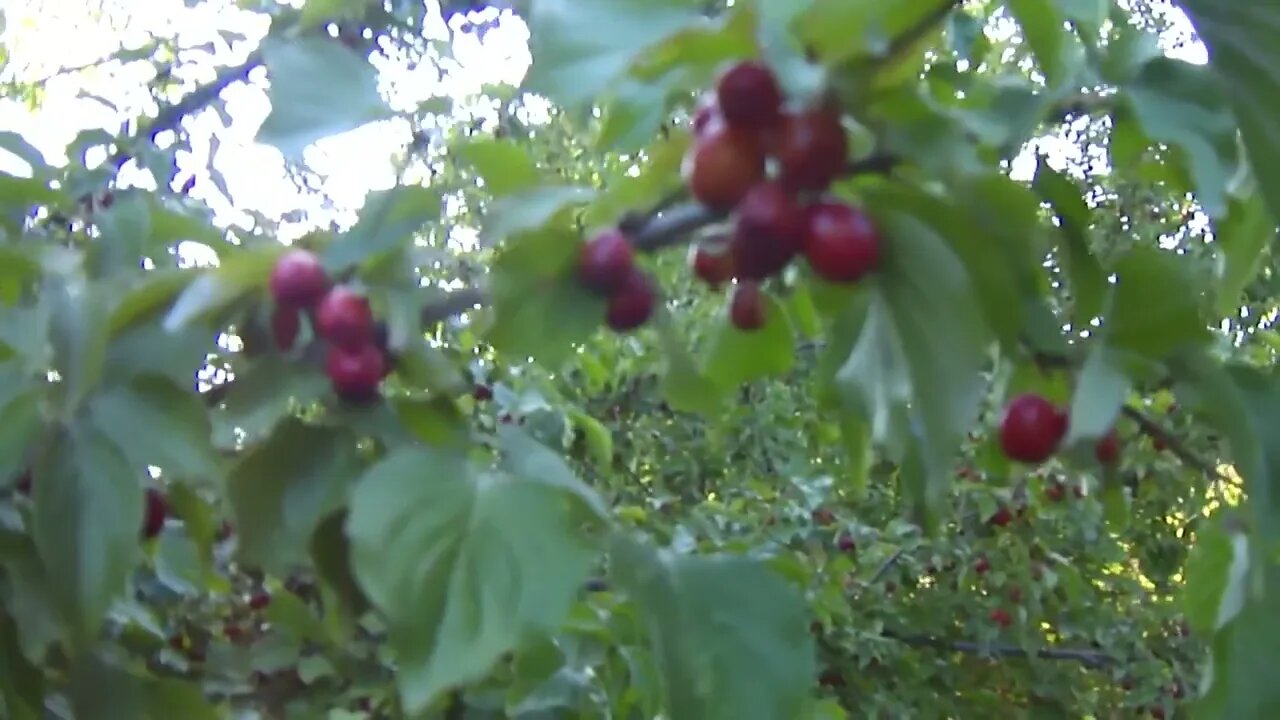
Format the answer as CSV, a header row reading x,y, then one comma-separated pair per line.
x,y
831,678
1001,617
1127,683
355,374
606,261
1157,442
746,307
749,96
846,543
1055,492
154,513
722,166
258,601
823,516
23,483
1031,429
840,241
1001,517
343,318
811,149
1108,449
234,633
482,393
711,265
768,232
982,565
298,279
632,305
285,324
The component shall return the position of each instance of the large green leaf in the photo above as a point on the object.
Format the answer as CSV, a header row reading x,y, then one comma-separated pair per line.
x,y
387,222
1086,279
263,395
580,48
462,563
1046,34
1181,104
88,510
532,209
237,275
281,490
1156,305
21,682
1243,240
319,87
738,356
505,165
727,633
1245,58
1217,572
1100,393
154,422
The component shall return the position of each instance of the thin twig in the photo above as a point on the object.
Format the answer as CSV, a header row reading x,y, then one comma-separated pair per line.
x,y
1088,658
886,565
1173,443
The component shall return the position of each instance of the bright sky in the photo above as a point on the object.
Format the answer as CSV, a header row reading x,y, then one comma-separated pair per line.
x,y
46,36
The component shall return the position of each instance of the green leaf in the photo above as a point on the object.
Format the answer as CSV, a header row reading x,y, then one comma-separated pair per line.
x,y
632,116
153,422
598,439
580,49
1182,104
331,554
264,395
21,682
462,563
738,356
20,420
540,307
684,387
1155,308
1245,60
1217,568
525,457
1242,684
388,222
1100,393
1086,279
79,338
1243,240
237,275
727,633
531,209
1046,34
99,688
146,296
505,166
170,698
281,490
88,510
126,231
319,88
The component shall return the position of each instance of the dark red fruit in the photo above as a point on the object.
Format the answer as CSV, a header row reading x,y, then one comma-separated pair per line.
x,y
344,319
811,149
982,565
768,232
1002,516
846,543
1031,429
831,678
746,307
1001,617
1127,682
23,483
482,393
722,166
258,601
840,241
1055,492
298,279
606,261
286,321
1108,449
823,516
154,513
234,633
749,96
355,374
1157,712
632,305
1157,443
711,265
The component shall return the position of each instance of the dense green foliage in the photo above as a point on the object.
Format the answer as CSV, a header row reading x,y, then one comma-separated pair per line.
x,y
537,517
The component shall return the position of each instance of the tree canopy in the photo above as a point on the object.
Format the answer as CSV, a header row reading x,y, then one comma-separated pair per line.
x,y
776,359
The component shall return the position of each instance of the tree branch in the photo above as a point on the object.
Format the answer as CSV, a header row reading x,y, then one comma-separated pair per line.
x,y
1173,443
1088,658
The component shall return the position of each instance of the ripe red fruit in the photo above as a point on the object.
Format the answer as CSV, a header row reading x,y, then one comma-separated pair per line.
x,y
258,601
298,279
343,318
982,565
632,305
811,149
749,96
846,543
482,393
234,633
355,373
722,165
1108,448
1157,443
840,241
711,265
1002,516
1031,429
746,307
1055,492
154,513
768,233
1001,617
605,261
285,324
822,516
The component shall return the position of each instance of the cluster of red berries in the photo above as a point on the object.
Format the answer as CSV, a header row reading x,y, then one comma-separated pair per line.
x,y
1032,428
768,165
357,360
